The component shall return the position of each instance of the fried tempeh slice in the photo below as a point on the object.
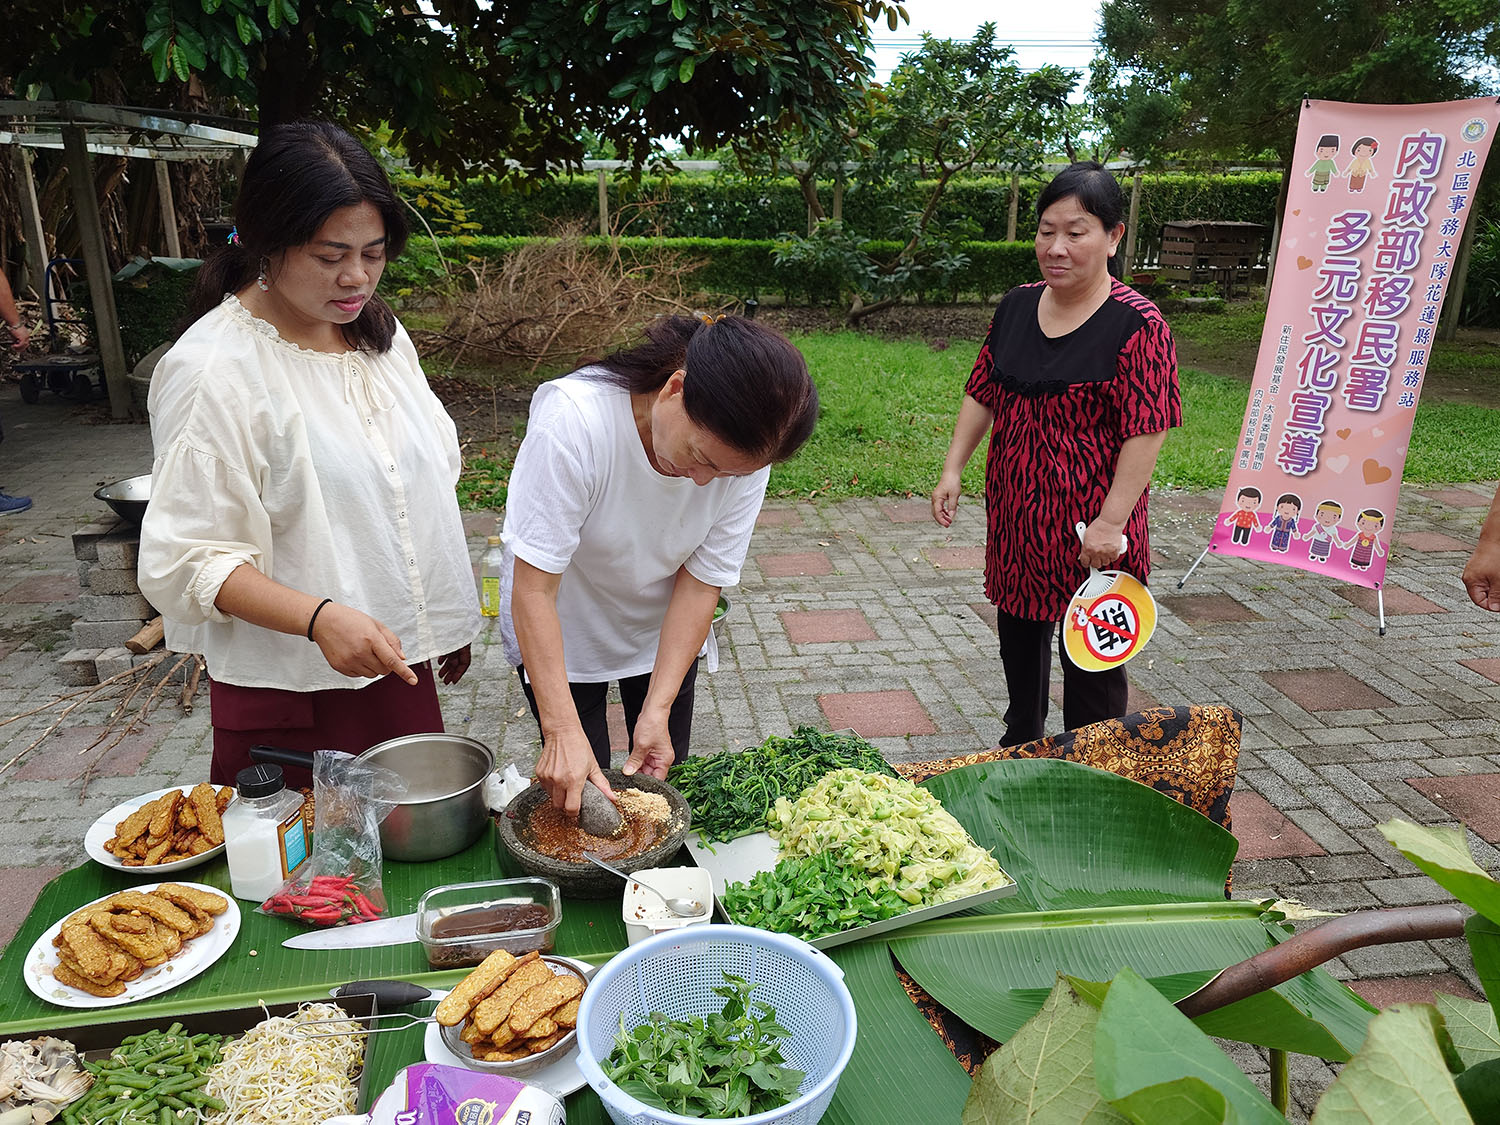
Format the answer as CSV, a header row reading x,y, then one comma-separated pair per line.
x,y
64,975
147,947
206,804
89,954
158,908
541,1029
493,1013
567,1015
488,975
164,818
135,824
158,852
225,795
525,1049
542,1001
187,817
191,898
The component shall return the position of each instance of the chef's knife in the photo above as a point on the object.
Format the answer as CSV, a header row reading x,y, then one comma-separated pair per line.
x,y
397,930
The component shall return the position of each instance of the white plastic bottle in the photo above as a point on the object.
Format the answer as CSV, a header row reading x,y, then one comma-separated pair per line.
x,y
265,834
489,577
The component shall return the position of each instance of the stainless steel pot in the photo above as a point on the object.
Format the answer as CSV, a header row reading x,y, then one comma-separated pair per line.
x,y
443,811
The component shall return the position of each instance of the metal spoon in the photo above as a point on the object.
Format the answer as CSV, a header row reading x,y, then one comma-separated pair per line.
x,y
682,907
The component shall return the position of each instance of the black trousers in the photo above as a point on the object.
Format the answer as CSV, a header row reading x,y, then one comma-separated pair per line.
x,y
1026,653
592,700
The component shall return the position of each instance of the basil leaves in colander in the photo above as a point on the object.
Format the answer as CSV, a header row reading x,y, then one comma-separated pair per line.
x,y
725,1065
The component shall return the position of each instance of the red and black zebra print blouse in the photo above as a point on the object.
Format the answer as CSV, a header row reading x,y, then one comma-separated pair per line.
x,y
1063,408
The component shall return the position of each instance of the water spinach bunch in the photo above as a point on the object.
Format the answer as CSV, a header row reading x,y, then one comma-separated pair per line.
x,y
724,1065
732,793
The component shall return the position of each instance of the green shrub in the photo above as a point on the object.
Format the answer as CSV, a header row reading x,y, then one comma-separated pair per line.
x,y
150,299
726,205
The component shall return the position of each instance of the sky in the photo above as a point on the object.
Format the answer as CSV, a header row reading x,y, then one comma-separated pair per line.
x,y
1041,31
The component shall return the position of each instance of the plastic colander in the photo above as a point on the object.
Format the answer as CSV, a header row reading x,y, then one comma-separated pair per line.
x,y
675,973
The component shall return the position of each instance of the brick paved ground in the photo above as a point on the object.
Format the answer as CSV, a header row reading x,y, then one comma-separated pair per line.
x,y
864,613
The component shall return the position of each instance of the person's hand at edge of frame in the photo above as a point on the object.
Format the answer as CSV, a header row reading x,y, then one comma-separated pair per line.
x,y
1481,577
453,665
355,644
652,753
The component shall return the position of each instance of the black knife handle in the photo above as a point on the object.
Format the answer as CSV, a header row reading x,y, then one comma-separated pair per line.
x,y
388,993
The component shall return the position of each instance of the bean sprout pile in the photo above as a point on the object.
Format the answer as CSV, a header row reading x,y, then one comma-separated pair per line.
x,y
273,1075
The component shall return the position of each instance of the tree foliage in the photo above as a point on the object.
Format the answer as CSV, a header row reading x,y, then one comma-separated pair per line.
x,y
465,83
950,104
1226,77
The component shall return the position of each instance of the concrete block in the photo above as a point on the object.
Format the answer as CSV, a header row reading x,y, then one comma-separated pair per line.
x,y
86,539
105,580
103,634
83,573
119,553
76,668
112,661
115,607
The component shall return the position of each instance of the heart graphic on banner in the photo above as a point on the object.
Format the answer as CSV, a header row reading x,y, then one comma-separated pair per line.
x,y
1377,432
1338,464
1375,472
1297,211
1304,263
1344,433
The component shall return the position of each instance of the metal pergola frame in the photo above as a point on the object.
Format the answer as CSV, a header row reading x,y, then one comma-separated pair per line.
x,y
79,130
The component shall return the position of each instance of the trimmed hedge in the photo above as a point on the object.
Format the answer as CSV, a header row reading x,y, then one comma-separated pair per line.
x,y
732,268
716,205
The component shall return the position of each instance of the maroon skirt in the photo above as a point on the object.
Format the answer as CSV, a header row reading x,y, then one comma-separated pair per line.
x,y
335,719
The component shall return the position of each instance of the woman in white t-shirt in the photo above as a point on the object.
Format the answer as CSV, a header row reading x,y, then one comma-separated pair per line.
x,y
303,532
630,506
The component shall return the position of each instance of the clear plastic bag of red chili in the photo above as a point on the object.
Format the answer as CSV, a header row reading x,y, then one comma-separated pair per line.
x,y
339,885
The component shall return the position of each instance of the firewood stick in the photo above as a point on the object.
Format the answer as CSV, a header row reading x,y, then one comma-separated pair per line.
x,y
190,689
149,637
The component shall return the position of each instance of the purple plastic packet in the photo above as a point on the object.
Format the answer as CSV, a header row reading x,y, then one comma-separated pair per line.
x,y
433,1094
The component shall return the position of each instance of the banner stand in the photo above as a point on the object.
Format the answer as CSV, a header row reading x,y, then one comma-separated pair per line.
x,y
1370,243
1379,591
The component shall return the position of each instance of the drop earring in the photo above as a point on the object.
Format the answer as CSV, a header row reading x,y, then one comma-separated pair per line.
x,y
261,278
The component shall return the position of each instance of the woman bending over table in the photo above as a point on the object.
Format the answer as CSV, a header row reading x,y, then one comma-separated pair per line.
x,y
303,532
631,504
1076,385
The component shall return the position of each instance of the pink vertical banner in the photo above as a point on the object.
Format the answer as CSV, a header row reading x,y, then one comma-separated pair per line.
x,y
1376,208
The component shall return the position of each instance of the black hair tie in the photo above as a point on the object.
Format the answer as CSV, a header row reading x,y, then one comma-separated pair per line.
x,y
311,621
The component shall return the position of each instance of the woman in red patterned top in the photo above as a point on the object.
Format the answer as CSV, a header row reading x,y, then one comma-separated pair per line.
x,y
1077,386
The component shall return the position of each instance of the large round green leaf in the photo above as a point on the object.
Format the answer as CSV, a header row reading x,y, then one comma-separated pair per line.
x,y
1073,836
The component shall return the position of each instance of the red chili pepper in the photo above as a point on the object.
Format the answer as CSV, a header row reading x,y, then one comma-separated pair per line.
x,y
322,914
330,882
365,906
310,900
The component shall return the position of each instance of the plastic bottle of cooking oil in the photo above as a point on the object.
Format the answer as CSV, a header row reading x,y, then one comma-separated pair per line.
x,y
489,577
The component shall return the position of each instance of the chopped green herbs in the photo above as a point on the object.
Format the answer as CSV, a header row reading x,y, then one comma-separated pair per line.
x,y
732,792
725,1065
810,896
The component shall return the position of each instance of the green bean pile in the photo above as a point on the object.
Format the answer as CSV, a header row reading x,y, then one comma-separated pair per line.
x,y
152,1079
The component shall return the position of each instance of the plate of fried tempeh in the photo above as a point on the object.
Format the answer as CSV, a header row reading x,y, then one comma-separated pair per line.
x,y
161,832
131,944
515,1018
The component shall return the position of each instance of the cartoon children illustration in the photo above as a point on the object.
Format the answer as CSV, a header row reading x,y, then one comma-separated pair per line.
x,y
1324,532
1361,166
1367,542
1243,518
1323,168
1283,526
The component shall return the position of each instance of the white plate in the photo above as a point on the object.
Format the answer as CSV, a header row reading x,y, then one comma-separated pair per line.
x,y
559,1078
197,954
103,830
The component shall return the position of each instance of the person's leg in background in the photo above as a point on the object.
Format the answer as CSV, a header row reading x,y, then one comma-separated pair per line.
x,y
1089,697
590,701
679,719
1026,655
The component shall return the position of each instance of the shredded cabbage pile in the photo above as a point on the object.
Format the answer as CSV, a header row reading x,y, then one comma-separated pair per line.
x,y
891,830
